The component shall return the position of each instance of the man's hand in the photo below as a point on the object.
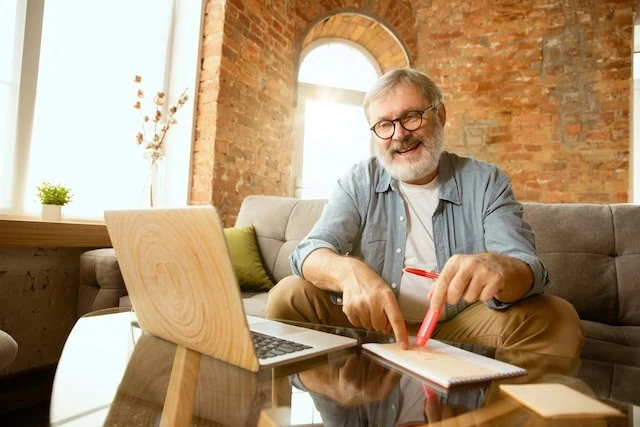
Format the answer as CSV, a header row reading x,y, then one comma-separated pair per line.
x,y
481,277
367,300
369,303
353,381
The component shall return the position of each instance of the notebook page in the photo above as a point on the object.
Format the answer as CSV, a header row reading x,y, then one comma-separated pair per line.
x,y
445,364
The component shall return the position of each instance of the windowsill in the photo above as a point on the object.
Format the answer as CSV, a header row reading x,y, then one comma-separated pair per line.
x,y
17,231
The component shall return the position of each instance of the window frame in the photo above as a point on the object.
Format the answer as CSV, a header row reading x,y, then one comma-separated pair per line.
x,y
309,91
182,65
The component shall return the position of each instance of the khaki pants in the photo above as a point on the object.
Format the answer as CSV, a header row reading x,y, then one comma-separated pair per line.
x,y
540,324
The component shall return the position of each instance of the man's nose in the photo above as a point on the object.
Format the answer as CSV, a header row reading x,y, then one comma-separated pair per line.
x,y
400,133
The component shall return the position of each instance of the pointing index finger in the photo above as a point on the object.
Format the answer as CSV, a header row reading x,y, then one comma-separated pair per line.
x,y
396,320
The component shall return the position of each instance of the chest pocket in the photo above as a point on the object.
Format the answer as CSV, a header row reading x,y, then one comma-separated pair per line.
x,y
374,248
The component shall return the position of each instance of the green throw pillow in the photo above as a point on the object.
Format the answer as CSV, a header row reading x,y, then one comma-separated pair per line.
x,y
245,258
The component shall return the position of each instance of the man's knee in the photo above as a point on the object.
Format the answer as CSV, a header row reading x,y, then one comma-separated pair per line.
x,y
556,316
284,298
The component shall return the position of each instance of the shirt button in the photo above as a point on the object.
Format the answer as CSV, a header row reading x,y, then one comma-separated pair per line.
x,y
393,285
398,250
339,300
401,218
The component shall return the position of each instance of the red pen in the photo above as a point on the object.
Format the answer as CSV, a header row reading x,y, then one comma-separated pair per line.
x,y
432,316
420,272
429,394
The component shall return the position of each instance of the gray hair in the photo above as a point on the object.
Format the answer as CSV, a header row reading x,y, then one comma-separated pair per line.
x,y
393,78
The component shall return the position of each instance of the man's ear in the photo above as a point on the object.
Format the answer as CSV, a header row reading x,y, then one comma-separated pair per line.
x,y
442,114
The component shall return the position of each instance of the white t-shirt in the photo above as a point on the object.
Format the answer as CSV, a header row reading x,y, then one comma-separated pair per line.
x,y
421,202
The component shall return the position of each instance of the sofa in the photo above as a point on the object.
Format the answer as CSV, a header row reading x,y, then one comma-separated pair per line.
x,y
8,350
592,253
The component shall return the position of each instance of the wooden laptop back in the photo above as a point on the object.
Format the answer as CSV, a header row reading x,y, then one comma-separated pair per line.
x,y
179,276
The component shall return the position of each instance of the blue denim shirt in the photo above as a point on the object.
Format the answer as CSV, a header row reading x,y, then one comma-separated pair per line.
x,y
365,217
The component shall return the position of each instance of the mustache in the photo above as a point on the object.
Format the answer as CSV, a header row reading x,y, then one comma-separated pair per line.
x,y
404,144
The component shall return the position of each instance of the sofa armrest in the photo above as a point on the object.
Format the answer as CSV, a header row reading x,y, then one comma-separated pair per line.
x,y
8,349
101,283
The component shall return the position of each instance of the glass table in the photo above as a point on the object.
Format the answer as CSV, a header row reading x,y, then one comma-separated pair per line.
x,y
111,373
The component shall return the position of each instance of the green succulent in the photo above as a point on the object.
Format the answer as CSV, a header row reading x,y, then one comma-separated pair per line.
x,y
50,194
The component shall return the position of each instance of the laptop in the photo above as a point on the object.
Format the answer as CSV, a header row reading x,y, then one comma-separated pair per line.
x,y
182,285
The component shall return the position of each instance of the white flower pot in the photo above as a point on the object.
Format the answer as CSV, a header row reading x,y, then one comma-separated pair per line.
x,y
52,213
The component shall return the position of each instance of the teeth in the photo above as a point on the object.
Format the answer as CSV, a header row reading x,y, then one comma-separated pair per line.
x,y
408,149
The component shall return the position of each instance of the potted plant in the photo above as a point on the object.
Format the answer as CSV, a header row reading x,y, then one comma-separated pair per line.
x,y
53,198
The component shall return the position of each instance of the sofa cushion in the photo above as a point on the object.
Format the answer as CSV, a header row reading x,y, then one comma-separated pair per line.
x,y
254,303
612,344
101,282
8,349
592,253
245,257
280,223
626,221
124,301
611,380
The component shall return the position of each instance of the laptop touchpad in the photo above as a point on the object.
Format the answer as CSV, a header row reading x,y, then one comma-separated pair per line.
x,y
276,328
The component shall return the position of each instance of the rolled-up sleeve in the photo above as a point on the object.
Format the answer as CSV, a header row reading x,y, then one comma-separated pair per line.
x,y
507,233
337,227
302,251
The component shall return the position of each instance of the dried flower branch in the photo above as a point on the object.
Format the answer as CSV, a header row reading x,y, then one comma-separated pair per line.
x,y
152,135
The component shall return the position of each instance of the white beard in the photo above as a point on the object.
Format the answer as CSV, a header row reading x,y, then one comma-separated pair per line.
x,y
427,164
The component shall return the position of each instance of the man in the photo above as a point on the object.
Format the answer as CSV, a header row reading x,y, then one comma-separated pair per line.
x,y
417,205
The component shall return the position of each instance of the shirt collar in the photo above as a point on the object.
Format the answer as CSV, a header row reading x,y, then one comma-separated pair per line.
x,y
384,179
448,188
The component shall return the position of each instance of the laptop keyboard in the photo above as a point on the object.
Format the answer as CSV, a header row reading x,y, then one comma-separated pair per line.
x,y
267,346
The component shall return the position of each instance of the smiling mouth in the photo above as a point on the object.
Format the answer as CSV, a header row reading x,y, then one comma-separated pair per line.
x,y
408,149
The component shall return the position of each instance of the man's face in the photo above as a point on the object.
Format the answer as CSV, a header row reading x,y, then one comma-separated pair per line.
x,y
410,156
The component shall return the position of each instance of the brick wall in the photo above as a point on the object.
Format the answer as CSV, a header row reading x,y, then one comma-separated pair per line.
x,y
540,87
386,50
38,300
244,142
203,157
246,99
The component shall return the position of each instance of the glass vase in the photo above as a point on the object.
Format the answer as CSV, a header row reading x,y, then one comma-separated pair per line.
x,y
156,182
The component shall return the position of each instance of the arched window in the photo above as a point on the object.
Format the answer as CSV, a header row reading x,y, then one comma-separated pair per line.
x,y
331,132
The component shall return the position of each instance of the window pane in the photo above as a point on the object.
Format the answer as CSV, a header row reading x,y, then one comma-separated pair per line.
x,y
84,124
7,39
338,65
336,135
7,126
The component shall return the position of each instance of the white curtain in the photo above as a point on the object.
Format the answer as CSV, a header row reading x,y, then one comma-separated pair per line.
x,y
11,31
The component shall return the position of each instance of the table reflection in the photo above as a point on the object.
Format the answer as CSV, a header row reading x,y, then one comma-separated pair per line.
x,y
347,388
225,394
363,389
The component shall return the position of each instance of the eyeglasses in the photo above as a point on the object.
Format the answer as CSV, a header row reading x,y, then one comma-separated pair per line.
x,y
410,121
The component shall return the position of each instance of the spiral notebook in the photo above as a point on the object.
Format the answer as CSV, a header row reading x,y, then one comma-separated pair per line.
x,y
445,364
